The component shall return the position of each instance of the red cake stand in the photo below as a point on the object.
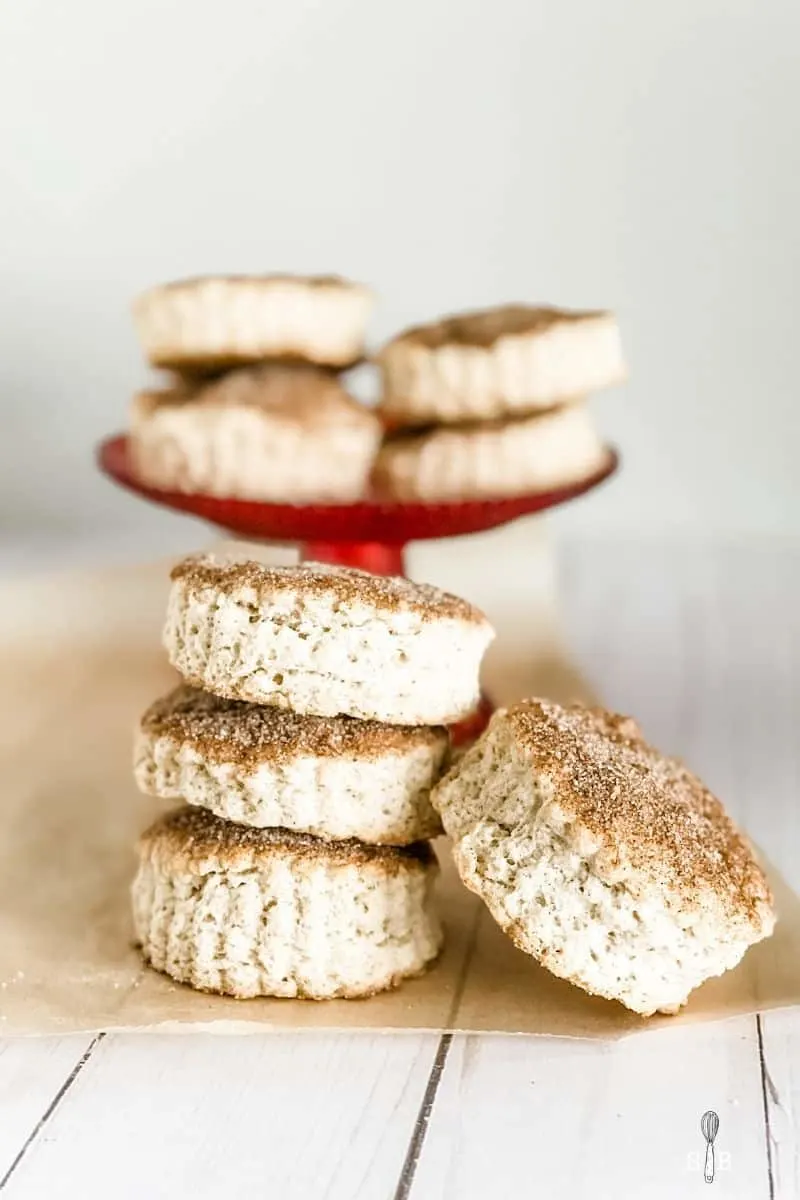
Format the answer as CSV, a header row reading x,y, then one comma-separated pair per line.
x,y
371,534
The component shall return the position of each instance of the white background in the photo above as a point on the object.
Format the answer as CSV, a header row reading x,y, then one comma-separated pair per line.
x,y
633,154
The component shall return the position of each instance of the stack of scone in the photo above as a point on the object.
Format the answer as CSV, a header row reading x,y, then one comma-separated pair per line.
x,y
257,409
304,744
309,748
493,403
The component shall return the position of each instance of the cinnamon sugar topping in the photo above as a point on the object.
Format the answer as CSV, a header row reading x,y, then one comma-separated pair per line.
x,y
344,585
191,835
647,810
232,731
484,327
418,435
303,395
315,281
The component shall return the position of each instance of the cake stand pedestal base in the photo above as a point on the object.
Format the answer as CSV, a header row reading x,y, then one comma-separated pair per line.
x,y
376,557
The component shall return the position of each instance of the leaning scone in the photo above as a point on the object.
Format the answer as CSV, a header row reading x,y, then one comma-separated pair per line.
x,y
250,912
477,461
497,362
333,777
613,866
274,433
325,640
214,323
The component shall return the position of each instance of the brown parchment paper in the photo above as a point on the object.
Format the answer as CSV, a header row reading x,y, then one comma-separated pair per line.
x,y
80,658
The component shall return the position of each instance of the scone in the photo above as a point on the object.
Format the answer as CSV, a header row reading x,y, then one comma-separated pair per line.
x,y
273,433
613,866
217,322
497,362
333,777
497,458
267,912
325,640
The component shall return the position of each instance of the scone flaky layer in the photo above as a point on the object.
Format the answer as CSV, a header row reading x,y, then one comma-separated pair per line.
x,y
498,362
288,435
269,913
502,458
333,777
224,321
325,640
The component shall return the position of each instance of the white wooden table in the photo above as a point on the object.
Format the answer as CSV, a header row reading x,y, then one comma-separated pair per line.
x,y
702,643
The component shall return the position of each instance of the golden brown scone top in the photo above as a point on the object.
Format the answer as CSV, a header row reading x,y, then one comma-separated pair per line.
x,y
644,808
303,395
317,281
193,839
347,585
483,327
233,731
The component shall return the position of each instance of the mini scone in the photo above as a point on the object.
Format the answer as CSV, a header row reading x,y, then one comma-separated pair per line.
x,y
612,865
213,323
496,458
497,362
333,777
267,912
325,640
273,433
